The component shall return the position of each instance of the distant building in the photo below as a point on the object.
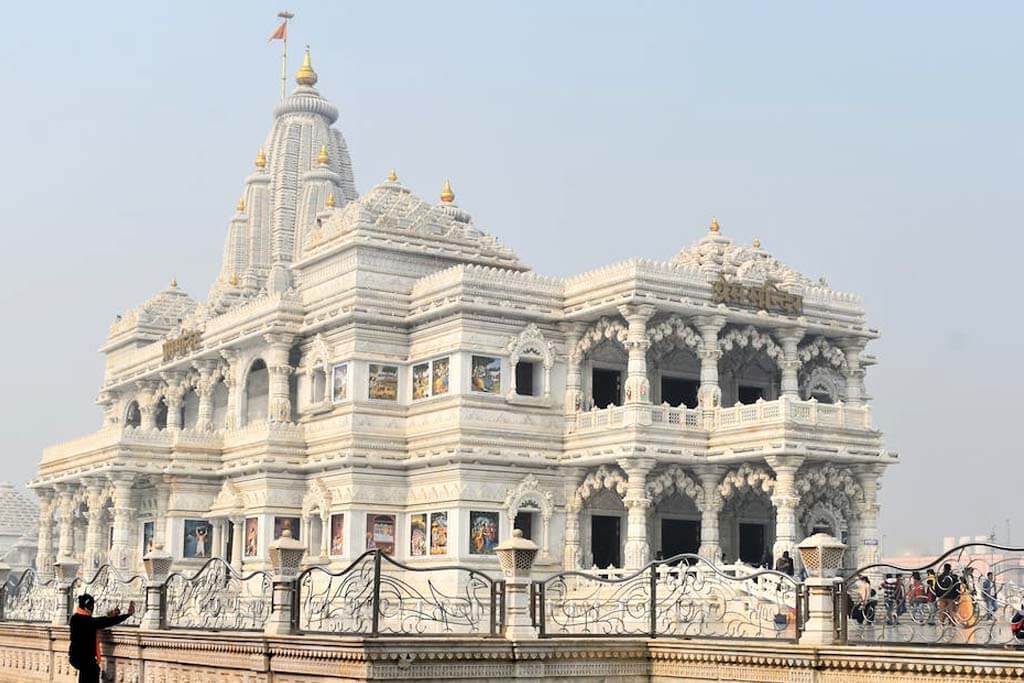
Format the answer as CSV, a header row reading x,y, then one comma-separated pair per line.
x,y
375,371
19,513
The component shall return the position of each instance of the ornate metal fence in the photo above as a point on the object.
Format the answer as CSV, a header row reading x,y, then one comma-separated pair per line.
x,y
684,596
217,598
376,595
967,596
29,599
111,591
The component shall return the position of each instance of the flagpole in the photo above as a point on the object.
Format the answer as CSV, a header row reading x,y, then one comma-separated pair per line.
x,y
284,52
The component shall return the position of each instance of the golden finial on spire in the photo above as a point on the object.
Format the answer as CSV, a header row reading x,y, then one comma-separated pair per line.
x,y
305,74
447,194
240,205
757,243
174,283
330,201
714,224
261,159
392,176
233,280
322,158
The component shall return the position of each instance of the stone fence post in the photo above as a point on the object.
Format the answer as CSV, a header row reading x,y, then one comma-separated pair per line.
x,y
285,556
66,571
822,556
5,571
516,556
157,563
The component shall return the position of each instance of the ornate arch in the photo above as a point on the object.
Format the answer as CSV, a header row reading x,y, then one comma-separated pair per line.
x,y
670,334
317,499
228,501
825,511
671,480
822,379
605,477
826,487
531,343
747,477
750,338
604,329
820,347
319,355
529,491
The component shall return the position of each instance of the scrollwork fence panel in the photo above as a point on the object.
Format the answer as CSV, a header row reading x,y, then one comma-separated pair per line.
x,y
376,595
684,596
29,599
112,591
218,598
967,596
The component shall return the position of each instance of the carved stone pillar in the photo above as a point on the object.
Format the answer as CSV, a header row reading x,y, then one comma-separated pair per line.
x,y
66,528
790,364
571,554
638,386
709,395
173,395
237,540
96,531
163,494
208,377
120,549
229,372
573,379
637,502
45,557
325,534
280,404
107,400
710,538
868,551
147,398
854,373
785,498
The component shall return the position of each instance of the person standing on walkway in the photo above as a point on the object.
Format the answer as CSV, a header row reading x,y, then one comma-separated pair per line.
x,y
785,564
948,591
84,651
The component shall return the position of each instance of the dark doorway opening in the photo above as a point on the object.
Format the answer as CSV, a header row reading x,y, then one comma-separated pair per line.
x,y
230,545
679,392
524,522
524,378
752,543
679,536
747,395
607,388
604,541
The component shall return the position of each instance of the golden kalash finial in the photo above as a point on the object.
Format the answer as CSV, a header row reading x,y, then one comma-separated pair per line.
x,y
330,201
322,158
174,283
240,206
714,224
447,194
392,176
233,280
305,75
757,243
261,159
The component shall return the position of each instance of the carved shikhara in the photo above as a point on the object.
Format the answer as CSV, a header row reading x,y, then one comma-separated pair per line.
x,y
39,653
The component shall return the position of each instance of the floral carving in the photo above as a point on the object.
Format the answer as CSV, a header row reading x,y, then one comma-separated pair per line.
x,y
747,477
750,338
603,329
605,477
671,480
670,334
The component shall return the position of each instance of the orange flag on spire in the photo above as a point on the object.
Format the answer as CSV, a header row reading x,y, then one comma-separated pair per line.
x,y
281,33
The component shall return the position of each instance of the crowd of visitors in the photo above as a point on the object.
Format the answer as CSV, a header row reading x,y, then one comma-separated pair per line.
x,y
945,598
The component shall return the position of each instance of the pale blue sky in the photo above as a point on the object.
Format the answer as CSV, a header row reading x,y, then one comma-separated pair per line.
x,y
878,144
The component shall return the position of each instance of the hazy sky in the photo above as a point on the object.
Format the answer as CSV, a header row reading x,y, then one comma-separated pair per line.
x,y
877,144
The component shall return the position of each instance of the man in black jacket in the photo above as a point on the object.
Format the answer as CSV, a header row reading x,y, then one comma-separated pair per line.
x,y
84,651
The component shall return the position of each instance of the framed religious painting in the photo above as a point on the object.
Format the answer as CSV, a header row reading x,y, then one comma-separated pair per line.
x,y
439,533
252,536
197,537
338,534
483,532
339,382
383,382
418,534
421,381
439,376
148,530
289,523
380,532
486,374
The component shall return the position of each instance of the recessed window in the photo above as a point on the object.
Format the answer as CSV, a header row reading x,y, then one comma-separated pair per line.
x,y
677,391
524,522
606,387
747,395
524,378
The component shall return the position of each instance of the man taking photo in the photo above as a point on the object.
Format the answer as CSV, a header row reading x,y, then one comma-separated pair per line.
x,y
84,651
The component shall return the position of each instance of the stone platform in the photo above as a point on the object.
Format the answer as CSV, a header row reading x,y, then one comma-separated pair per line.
x,y
38,653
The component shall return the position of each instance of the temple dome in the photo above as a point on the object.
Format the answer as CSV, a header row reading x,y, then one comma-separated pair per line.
x,y
160,314
19,513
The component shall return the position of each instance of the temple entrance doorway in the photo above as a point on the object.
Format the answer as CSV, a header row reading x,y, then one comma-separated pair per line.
x,y
679,536
604,541
606,388
752,543
679,392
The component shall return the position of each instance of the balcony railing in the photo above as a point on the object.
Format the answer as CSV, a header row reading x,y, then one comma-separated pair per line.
x,y
781,411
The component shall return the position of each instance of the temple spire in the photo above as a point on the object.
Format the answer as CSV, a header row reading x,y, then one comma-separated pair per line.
x,y
447,194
